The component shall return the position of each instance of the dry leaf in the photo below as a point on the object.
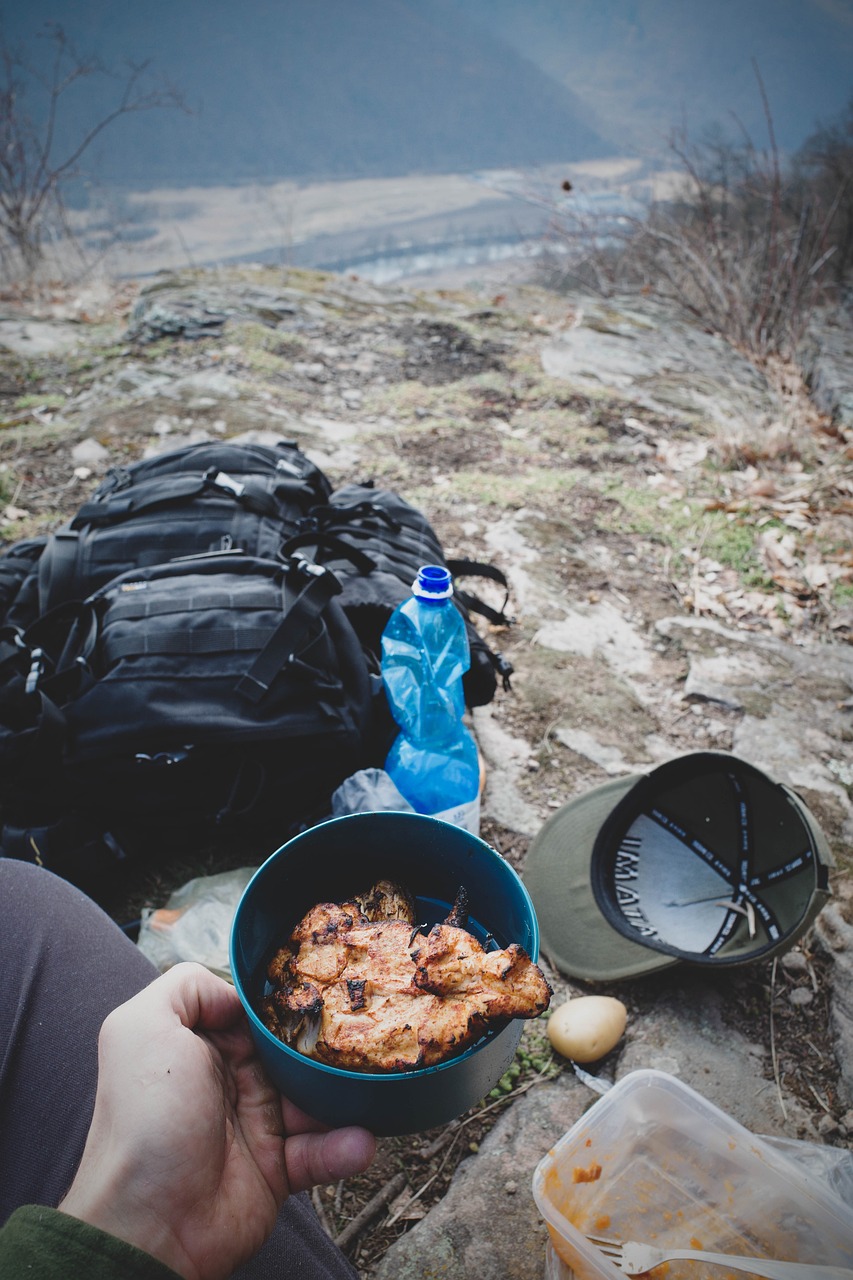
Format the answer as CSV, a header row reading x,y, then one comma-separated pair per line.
x,y
763,487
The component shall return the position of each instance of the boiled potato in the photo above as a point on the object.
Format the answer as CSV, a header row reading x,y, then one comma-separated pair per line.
x,y
588,1027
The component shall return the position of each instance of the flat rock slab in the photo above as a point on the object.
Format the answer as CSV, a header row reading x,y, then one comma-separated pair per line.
x,y
29,337
488,1225
662,363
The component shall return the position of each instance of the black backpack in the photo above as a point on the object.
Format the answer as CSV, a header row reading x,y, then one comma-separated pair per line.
x,y
202,498
182,702
196,654
19,602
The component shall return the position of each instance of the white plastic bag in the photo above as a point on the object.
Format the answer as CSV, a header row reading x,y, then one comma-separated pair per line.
x,y
368,791
195,923
372,791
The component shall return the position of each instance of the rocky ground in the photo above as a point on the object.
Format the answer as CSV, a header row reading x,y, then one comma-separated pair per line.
x,y
675,525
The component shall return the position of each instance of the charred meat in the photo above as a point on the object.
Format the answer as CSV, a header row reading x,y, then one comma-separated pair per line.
x,y
388,994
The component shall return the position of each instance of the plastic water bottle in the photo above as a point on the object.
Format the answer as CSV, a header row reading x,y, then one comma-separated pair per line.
x,y
433,761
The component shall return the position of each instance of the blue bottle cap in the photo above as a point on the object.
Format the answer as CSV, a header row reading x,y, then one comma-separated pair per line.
x,y
433,582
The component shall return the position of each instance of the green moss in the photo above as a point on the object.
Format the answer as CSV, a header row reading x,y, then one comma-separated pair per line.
x,y
534,1059
734,544
685,524
509,492
48,401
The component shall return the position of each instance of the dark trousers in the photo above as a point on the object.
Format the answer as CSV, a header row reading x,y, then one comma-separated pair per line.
x,y
63,966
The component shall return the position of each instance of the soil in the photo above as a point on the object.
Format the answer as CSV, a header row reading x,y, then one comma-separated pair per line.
x,y
442,398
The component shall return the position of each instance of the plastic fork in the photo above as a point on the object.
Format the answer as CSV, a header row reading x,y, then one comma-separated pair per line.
x,y
635,1259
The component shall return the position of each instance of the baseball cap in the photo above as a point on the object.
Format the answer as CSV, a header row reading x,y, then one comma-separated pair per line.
x,y
705,860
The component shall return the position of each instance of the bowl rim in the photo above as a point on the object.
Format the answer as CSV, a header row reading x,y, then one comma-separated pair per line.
x,y
376,1077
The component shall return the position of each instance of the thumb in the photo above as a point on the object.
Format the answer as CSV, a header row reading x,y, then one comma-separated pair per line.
x,y
315,1158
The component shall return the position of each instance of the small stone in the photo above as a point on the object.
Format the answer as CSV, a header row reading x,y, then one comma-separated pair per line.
x,y
847,1121
827,1125
794,962
511,1188
800,997
89,451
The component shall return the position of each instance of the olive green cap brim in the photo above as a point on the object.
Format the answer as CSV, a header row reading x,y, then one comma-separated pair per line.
x,y
578,938
574,936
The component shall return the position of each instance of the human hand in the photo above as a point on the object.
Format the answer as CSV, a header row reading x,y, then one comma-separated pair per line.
x,y
191,1150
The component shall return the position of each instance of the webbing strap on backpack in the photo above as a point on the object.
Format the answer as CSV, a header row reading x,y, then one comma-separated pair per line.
x,y
385,539
329,545
480,569
321,586
167,490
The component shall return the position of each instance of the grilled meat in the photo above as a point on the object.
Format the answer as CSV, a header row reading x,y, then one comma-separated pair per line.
x,y
390,995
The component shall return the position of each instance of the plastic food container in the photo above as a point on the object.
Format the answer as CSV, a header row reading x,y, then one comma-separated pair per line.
x,y
653,1161
333,860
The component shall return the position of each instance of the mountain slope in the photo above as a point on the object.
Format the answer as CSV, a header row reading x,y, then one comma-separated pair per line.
x,y
312,87
642,67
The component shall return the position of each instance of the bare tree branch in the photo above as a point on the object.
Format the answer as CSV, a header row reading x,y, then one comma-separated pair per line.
x,y
31,175
748,247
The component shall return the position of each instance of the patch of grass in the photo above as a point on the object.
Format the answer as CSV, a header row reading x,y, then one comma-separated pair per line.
x,y
409,398
534,486
643,511
495,380
265,362
560,428
33,401
7,484
684,525
529,381
401,399
30,526
253,336
157,349
733,544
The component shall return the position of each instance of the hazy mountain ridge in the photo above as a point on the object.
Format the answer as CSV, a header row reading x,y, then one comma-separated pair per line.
x,y
641,67
331,89
313,89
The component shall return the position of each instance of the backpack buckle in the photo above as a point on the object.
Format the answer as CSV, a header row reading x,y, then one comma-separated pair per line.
x,y
36,671
308,567
221,480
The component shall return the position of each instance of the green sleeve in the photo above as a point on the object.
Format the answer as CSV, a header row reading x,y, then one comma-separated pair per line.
x,y
44,1244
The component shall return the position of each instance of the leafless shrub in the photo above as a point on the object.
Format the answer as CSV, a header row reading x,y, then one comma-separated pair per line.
x,y
32,173
745,248
823,167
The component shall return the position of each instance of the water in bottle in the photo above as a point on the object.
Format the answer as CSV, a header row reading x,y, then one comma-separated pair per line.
x,y
433,760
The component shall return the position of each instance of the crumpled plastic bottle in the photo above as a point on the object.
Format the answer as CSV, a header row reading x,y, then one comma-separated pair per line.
x,y
433,761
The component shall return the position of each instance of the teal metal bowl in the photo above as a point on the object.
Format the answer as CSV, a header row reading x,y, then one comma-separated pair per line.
x,y
328,863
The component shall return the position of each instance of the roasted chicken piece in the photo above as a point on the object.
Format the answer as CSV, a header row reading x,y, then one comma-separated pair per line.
x,y
387,995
